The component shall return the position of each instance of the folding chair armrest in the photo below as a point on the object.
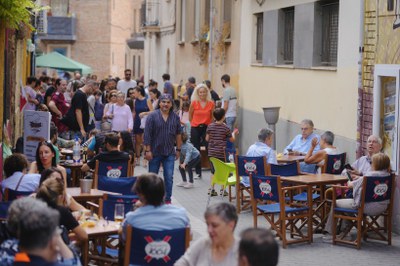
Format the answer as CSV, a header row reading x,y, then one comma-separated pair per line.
x,y
295,187
93,206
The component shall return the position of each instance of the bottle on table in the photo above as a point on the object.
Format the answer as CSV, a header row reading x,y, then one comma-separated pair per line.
x,y
76,151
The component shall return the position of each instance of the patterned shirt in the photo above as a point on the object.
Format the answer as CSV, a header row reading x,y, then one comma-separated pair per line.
x,y
218,134
161,135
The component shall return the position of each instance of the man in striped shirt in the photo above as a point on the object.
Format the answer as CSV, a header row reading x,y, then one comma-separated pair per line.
x,y
162,131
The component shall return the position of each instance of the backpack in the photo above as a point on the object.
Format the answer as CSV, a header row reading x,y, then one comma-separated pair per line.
x,y
98,110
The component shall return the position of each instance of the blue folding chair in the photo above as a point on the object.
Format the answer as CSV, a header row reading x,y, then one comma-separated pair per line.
x,y
290,169
10,194
121,185
334,164
145,247
113,169
374,189
230,155
267,198
107,204
245,167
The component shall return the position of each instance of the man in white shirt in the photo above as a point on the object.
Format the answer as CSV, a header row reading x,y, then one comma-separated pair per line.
x,y
124,84
229,101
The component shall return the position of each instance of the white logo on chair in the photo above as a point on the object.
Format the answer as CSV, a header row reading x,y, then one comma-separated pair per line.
x,y
265,188
114,172
337,164
157,249
230,158
250,166
380,189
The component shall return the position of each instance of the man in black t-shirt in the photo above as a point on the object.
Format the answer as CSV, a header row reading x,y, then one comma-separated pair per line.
x,y
77,117
111,155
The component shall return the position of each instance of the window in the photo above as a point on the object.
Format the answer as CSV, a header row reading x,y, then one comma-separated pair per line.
x,y
330,30
59,8
227,16
288,33
41,21
207,12
259,36
197,19
61,50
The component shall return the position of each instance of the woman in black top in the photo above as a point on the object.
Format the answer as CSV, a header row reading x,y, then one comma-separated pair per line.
x,y
51,191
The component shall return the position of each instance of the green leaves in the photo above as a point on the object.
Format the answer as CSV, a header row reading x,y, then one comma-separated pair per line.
x,y
14,12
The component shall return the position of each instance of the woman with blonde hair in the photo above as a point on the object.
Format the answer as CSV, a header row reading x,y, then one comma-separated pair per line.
x,y
52,192
200,116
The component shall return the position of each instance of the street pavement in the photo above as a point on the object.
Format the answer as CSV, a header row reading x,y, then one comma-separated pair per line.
x,y
318,253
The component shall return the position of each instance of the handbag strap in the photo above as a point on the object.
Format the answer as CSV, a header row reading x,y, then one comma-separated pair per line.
x,y
19,182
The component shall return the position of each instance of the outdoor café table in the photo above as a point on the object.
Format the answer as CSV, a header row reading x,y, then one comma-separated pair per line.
x,y
98,234
76,172
319,180
289,158
94,194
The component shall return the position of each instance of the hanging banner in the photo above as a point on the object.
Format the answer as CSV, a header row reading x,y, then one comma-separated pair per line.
x,y
36,129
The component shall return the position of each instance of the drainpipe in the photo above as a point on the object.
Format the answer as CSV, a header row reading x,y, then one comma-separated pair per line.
x,y
359,151
210,41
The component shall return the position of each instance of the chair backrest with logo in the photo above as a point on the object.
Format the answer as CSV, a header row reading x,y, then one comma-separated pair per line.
x,y
265,187
113,169
378,188
121,185
290,169
145,247
334,163
230,155
247,166
107,204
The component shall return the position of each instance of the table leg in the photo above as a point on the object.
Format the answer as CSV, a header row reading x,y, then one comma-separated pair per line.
x,y
85,252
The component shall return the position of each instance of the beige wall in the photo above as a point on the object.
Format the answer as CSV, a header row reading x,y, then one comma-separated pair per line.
x,y
328,96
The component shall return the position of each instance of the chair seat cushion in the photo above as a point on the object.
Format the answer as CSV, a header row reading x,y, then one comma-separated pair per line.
x,y
275,208
303,196
109,251
346,210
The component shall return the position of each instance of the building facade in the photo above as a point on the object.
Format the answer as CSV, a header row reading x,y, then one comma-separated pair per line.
x,y
102,34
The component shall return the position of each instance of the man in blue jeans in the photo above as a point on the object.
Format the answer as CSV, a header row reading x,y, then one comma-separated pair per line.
x,y
162,131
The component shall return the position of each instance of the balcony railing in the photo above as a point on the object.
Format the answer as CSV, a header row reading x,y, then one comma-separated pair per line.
x,y
59,29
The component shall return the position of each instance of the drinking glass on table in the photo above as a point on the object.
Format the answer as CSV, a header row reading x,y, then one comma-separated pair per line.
x,y
119,212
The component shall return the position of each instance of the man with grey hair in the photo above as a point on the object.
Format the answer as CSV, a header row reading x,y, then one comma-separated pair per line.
x,y
36,226
263,146
363,164
302,142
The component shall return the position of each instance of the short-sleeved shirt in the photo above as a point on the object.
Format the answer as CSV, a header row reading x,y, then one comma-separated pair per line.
x,y
124,85
214,96
230,96
49,92
169,88
66,218
218,134
108,156
79,101
262,149
30,182
201,115
32,93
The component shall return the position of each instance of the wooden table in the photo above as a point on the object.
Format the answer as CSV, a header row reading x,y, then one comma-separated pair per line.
x,y
290,158
94,195
98,233
76,172
320,180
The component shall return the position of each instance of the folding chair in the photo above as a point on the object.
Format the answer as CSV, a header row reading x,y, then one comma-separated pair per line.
x,y
121,185
10,194
334,164
113,169
374,189
290,169
246,167
224,176
279,214
145,247
230,155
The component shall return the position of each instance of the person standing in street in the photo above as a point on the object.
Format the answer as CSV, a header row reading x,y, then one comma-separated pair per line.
x,y
162,131
124,84
168,87
229,101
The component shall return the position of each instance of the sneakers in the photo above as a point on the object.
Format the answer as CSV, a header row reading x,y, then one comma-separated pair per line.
x,y
182,184
213,193
168,202
327,238
198,176
188,185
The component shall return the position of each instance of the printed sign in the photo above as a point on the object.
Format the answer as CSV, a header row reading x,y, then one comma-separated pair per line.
x,y
36,129
159,249
114,172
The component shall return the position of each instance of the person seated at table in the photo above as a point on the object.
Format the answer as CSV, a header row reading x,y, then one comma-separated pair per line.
x,y
258,247
46,158
20,209
52,192
302,143
15,168
151,191
380,166
112,154
326,144
219,247
126,143
69,201
263,146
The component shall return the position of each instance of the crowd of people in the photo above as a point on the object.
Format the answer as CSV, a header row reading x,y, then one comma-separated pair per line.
x,y
124,120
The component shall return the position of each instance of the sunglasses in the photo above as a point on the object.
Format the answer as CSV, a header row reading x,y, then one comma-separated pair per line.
x,y
113,95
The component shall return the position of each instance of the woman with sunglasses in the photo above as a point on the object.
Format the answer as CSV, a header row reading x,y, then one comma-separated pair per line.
x,y
109,110
46,158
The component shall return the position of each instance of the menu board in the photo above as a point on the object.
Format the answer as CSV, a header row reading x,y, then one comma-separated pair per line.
x,y
36,129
